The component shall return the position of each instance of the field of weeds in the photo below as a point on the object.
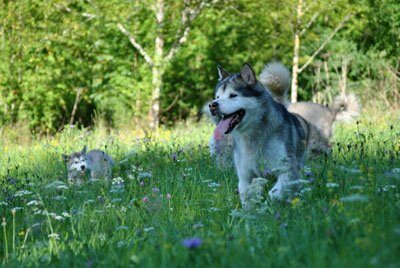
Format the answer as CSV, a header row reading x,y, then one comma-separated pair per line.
x,y
168,205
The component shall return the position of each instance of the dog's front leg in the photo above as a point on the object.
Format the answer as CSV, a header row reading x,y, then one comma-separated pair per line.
x,y
245,178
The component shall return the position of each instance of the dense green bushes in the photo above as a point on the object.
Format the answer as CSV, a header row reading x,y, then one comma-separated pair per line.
x,y
50,49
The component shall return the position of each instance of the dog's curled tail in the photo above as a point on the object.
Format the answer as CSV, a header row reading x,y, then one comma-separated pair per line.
x,y
346,107
276,77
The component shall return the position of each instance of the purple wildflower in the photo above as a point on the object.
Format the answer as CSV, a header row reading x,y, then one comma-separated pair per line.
x,y
169,196
267,172
308,173
141,183
145,199
156,190
192,243
284,225
174,157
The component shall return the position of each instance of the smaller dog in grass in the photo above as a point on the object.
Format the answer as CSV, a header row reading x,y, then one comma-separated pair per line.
x,y
96,164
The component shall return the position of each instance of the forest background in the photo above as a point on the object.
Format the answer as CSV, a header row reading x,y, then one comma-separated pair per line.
x,y
145,63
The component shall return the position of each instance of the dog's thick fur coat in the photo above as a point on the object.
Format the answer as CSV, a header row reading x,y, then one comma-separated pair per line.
x,y
276,78
345,108
267,138
96,163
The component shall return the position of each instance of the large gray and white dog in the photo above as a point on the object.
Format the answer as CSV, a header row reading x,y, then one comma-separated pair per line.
x,y
276,78
266,137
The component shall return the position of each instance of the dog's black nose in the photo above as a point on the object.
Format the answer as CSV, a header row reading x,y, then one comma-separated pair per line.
x,y
213,104
83,167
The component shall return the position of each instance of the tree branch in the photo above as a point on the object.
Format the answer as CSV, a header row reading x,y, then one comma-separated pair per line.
x,y
78,98
188,16
341,24
133,41
310,22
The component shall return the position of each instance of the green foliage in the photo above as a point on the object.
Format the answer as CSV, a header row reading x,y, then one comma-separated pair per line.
x,y
50,49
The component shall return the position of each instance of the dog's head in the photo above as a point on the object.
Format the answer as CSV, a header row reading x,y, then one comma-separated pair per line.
x,y
236,98
76,161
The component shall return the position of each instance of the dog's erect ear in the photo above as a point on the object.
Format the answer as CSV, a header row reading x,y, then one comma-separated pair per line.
x,y
248,75
84,150
65,158
222,73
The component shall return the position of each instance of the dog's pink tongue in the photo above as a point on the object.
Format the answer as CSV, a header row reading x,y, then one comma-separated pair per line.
x,y
221,128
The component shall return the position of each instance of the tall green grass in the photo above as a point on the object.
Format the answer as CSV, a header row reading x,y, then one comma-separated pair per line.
x,y
167,189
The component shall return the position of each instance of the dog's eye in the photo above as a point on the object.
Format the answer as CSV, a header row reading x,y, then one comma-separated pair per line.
x,y
217,97
233,96
76,162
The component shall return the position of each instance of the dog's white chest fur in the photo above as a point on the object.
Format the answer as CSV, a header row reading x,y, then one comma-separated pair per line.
x,y
256,159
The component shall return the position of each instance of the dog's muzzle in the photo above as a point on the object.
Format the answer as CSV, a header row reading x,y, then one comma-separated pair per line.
x,y
213,106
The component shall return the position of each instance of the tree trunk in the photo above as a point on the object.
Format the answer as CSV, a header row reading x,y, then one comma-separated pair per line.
x,y
157,83
295,69
296,49
343,82
158,67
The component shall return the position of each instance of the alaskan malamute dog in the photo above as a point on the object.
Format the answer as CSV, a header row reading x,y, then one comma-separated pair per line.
x,y
97,164
276,78
267,138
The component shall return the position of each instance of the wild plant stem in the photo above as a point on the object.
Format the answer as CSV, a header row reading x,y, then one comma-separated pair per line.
x,y
5,240
13,243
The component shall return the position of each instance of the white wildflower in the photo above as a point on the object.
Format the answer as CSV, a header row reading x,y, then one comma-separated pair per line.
x,y
58,218
356,187
148,229
214,185
89,201
255,193
54,236
332,185
354,198
22,193
55,185
396,170
350,170
66,214
59,197
38,212
118,181
305,190
145,175
33,203
102,237
213,209
121,244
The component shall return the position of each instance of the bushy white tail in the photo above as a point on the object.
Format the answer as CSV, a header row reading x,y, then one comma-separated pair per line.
x,y
346,107
276,77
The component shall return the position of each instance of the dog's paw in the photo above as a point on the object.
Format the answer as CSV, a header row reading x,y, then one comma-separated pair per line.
x,y
277,193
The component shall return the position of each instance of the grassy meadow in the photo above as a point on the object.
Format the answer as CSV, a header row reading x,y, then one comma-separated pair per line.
x,y
170,206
